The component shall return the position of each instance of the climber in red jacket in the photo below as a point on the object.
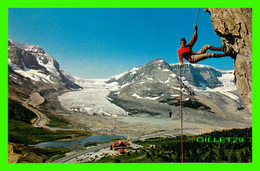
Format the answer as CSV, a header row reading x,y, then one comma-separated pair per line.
x,y
185,51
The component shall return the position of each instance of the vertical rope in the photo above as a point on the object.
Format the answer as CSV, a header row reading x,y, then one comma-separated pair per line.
x,y
197,16
181,115
196,20
181,98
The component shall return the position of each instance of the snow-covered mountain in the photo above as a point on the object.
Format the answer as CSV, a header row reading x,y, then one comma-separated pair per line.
x,y
34,63
154,89
30,70
158,73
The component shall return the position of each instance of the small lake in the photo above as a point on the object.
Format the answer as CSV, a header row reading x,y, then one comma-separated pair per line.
x,y
83,141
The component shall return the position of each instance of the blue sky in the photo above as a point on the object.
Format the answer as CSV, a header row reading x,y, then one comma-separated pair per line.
x,y
103,42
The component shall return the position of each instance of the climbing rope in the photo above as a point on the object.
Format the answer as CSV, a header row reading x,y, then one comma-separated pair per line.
x,y
181,98
196,20
181,115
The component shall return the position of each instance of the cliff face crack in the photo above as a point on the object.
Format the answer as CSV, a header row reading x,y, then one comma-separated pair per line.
x,y
234,26
231,39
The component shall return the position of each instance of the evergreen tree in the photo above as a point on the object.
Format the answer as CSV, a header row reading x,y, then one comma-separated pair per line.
x,y
117,161
158,155
221,154
165,158
178,157
153,153
247,154
207,160
188,157
233,157
243,157
148,155
194,154
211,155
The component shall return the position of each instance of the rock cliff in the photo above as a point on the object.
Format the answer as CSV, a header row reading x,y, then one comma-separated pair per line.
x,y
234,26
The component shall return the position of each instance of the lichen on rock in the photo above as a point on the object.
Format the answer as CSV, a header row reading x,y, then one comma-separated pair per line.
x,y
234,26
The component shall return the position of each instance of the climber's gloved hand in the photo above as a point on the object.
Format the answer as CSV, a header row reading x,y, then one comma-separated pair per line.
x,y
181,64
195,28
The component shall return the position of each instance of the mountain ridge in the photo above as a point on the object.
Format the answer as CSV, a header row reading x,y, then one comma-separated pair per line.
x,y
32,70
23,58
151,89
142,88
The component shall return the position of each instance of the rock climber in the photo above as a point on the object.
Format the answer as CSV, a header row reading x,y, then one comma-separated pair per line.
x,y
186,52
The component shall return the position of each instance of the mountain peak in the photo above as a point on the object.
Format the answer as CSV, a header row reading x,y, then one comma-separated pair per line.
x,y
15,43
157,64
157,61
33,62
26,47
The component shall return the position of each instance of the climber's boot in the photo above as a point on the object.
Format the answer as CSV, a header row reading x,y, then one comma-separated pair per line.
x,y
230,52
223,48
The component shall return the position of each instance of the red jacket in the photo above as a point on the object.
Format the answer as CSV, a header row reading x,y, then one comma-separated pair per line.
x,y
186,52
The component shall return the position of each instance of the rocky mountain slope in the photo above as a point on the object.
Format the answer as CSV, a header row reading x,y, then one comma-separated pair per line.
x,y
153,89
234,26
35,76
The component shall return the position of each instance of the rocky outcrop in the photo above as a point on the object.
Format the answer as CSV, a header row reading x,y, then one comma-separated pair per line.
x,y
12,156
234,26
23,59
35,99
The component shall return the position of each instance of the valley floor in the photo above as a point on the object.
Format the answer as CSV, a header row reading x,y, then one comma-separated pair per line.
x,y
132,126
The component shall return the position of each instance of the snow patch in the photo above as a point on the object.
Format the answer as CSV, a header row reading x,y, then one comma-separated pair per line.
x,y
35,75
166,70
113,86
116,77
49,65
227,80
149,78
13,66
159,61
134,70
147,98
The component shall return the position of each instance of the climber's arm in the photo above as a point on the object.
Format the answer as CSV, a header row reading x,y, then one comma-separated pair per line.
x,y
196,29
195,36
